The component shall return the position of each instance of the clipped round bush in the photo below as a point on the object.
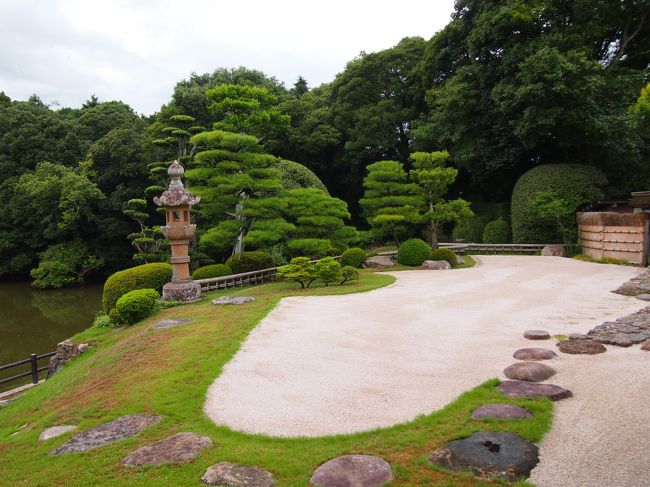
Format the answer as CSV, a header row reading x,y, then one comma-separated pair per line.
x,y
214,270
413,252
497,232
136,305
145,276
250,261
115,318
444,254
576,184
295,175
353,257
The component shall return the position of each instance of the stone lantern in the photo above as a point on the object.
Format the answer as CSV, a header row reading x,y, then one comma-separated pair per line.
x,y
178,201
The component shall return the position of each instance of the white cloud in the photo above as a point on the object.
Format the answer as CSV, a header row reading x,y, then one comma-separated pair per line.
x,y
136,51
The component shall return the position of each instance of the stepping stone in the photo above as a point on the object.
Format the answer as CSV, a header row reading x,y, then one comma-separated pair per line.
x,y
164,324
501,411
179,448
488,454
55,431
588,347
646,346
233,300
353,471
578,336
537,335
233,475
529,371
520,388
118,429
534,354
643,297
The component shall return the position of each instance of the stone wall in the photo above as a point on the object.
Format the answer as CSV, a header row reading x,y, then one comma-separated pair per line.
x,y
614,235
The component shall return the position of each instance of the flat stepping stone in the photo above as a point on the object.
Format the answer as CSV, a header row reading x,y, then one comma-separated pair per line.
x,y
520,388
233,300
171,323
537,335
353,471
118,429
646,346
501,411
529,371
588,347
233,475
179,448
55,431
643,297
534,354
488,454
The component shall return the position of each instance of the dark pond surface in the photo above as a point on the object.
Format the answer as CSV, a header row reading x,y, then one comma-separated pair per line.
x,y
34,321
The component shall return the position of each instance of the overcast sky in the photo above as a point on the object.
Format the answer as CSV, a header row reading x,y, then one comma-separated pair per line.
x,y
136,51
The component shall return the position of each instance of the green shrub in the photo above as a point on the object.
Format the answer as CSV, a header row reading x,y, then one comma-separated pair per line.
x,y
136,305
279,254
470,229
145,276
444,254
573,184
354,257
300,269
115,318
102,320
250,261
349,273
413,252
214,270
295,175
497,232
328,270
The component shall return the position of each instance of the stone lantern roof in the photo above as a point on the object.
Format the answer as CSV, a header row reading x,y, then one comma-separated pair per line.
x,y
176,194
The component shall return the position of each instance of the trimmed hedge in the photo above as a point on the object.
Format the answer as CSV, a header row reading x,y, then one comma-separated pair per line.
x,y
497,232
214,270
250,261
136,305
444,254
413,252
575,183
145,276
353,257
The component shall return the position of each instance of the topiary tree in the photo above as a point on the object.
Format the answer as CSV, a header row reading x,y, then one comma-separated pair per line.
x,y
149,242
300,269
295,176
354,257
349,273
496,232
413,252
570,184
153,276
444,254
250,261
214,270
328,270
136,305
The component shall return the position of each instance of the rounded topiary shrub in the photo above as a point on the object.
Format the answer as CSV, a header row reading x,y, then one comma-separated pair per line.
x,y
444,254
574,184
250,261
354,257
295,175
151,276
208,271
413,252
137,305
497,232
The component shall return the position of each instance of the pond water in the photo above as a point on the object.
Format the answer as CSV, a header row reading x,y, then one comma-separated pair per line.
x,y
34,321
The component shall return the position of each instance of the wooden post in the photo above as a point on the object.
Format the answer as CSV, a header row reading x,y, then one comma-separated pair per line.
x,y
34,362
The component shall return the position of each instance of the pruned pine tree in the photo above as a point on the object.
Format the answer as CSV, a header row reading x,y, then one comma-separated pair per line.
x,y
433,179
390,200
149,242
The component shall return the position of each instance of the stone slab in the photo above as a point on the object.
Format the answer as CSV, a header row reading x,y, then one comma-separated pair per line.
x,y
55,431
233,300
353,471
584,347
520,388
116,430
226,474
435,265
179,448
529,371
537,335
501,411
534,354
488,454
171,323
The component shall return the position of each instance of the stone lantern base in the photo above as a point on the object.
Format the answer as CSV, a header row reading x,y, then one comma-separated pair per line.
x,y
182,291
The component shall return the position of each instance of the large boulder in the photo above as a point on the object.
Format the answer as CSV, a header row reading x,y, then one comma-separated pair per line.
x,y
179,448
378,262
435,265
554,251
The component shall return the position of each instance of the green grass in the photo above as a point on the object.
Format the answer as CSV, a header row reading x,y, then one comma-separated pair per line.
x,y
167,372
604,260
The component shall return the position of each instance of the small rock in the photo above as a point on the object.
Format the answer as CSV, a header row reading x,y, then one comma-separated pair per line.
x,y
233,300
118,429
529,371
435,265
537,335
460,260
353,471
55,431
646,346
501,411
65,351
171,323
378,262
643,297
232,475
179,448
82,347
554,251
520,388
619,341
588,347
488,454
534,354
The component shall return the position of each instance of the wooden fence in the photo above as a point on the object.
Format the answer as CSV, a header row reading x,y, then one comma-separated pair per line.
x,y
621,236
34,368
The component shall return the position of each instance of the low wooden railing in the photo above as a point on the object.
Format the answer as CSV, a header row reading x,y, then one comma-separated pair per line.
x,y
34,368
234,280
488,248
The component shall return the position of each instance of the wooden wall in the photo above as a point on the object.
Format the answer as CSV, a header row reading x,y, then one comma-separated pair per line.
x,y
615,235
